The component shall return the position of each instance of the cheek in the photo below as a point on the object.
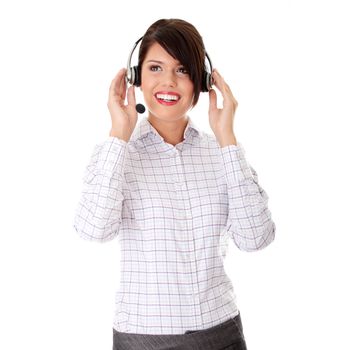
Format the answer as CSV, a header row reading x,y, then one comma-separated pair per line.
x,y
191,94
190,88
146,83
143,79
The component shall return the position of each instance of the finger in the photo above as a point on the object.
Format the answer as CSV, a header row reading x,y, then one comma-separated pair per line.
x,y
224,88
121,84
124,86
112,86
116,79
218,80
131,96
212,100
115,91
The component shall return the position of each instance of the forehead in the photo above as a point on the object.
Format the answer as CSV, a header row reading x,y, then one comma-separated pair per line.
x,y
157,53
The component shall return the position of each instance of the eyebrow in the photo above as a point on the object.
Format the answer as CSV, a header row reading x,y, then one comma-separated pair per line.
x,y
179,64
154,61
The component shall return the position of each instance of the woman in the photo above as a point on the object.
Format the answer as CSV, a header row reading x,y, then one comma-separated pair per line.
x,y
173,194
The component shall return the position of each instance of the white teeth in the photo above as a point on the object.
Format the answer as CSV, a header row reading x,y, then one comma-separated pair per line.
x,y
167,97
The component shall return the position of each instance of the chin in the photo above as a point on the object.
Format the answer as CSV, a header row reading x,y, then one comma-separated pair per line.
x,y
168,116
167,112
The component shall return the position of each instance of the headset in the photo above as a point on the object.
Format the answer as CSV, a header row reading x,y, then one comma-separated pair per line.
x,y
133,75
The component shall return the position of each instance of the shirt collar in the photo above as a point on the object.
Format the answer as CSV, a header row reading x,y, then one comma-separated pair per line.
x,y
144,128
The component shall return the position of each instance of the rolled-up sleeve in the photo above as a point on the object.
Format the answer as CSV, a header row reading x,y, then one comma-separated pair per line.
x,y
98,213
249,222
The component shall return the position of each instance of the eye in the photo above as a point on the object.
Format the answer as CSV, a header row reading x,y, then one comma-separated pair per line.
x,y
155,69
151,68
184,70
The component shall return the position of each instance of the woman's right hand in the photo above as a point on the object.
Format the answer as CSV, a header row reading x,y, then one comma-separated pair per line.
x,y
124,117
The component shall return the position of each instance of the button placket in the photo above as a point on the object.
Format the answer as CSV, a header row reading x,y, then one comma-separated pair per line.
x,y
184,207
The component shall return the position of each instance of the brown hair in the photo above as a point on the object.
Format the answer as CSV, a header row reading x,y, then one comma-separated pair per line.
x,y
183,42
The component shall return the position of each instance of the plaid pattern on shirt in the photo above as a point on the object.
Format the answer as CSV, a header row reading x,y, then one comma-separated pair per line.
x,y
172,209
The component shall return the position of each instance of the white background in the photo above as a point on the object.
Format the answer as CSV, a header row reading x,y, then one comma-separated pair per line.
x,y
287,63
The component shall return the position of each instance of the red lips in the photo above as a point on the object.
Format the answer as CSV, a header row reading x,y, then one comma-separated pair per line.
x,y
167,103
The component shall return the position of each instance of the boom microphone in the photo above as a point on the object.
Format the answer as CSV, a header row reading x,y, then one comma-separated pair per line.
x,y
140,108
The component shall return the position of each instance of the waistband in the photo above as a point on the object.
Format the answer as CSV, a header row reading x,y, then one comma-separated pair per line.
x,y
229,332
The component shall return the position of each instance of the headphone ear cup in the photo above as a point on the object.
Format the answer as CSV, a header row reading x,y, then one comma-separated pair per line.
x,y
137,81
129,76
133,75
206,82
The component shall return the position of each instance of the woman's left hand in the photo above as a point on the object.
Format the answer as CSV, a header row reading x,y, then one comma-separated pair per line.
x,y
221,119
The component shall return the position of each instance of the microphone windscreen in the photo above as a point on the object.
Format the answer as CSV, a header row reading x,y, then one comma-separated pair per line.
x,y
140,108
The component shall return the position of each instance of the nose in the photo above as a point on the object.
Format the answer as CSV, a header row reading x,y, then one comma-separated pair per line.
x,y
169,78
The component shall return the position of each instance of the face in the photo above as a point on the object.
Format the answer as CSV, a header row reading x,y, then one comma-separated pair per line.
x,y
163,78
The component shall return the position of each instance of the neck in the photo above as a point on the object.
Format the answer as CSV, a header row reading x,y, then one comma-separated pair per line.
x,y
171,131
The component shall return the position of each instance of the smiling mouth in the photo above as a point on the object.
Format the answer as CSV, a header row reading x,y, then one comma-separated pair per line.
x,y
167,102
167,99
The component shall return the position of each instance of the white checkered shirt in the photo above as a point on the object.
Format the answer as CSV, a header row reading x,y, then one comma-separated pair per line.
x,y
172,209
